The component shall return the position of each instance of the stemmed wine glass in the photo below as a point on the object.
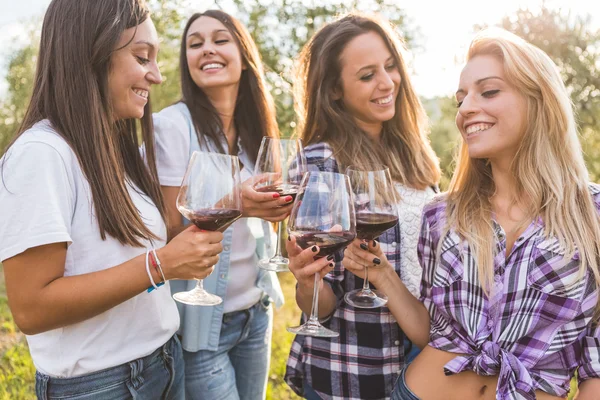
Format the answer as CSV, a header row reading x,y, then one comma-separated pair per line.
x,y
211,198
279,168
323,215
376,207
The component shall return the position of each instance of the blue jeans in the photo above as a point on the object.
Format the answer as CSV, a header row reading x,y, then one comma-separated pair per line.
x,y
401,391
158,375
238,369
309,392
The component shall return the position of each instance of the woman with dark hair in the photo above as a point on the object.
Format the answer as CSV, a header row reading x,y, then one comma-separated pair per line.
x,y
83,226
225,108
357,107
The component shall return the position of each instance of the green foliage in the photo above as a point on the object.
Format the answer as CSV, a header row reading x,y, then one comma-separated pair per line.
x,y
575,48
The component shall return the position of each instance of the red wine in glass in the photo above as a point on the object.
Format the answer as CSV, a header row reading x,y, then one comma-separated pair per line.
x,y
323,215
280,166
217,219
328,242
370,225
376,212
210,197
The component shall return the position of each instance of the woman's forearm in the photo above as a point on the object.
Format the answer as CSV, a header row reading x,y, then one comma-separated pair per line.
x,y
71,299
410,313
327,299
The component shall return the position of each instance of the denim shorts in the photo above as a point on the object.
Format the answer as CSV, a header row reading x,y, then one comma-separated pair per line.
x,y
159,375
401,390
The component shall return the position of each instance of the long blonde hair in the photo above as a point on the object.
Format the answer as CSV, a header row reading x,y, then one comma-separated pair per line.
x,y
404,146
548,166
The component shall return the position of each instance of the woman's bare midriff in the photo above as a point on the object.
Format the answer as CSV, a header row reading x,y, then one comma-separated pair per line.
x,y
426,379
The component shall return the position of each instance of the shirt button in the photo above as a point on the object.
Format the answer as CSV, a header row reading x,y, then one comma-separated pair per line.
x,y
226,248
393,244
497,278
490,324
223,276
397,343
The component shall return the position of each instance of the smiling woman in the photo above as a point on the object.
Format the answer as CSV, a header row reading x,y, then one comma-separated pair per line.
x,y
357,108
225,108
83,215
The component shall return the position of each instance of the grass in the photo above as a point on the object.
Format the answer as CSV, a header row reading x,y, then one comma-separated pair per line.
x,y
17,372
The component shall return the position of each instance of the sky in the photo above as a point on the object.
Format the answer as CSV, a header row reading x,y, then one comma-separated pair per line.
x,y
446,28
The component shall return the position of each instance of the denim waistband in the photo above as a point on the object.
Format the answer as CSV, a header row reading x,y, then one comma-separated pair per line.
x,y
119,373
264,302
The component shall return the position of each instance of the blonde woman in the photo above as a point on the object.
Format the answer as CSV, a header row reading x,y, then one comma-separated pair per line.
x,y
510,253
357,107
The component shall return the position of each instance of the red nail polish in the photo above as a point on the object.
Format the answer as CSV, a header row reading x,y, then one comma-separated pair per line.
x,y
276,195
288,198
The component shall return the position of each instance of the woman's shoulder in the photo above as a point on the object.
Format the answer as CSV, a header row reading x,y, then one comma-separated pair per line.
x,y
39,140
435,209
176,115
594,189
320,156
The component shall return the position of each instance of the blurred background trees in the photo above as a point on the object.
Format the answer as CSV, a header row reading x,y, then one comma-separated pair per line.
x,y
281,27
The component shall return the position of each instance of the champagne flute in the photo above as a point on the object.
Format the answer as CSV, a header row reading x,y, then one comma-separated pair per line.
x,y
376,207
323,215
279,168
211,198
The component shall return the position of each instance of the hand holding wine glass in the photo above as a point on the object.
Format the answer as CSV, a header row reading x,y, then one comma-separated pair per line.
x,y
192,254
323,221
270,206
375,202
210,197
278,171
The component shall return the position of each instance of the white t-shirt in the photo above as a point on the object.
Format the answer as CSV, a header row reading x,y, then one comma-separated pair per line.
x,y
172,135
45,198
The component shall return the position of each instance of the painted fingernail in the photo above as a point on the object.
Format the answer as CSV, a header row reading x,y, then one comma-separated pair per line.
x,y
364,246
289,238
314,249
330,265
276,195
375,243
330,257
288,198
376,261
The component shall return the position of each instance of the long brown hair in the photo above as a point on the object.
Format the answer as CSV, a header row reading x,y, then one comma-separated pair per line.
x,y
254,114
71,92
548,166
404,146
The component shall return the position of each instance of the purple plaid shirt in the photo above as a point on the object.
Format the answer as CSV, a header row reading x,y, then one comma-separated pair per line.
x,y
535,327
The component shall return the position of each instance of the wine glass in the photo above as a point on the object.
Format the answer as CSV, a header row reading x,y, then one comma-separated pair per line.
x,y
375,202
279,168
211,198
323,215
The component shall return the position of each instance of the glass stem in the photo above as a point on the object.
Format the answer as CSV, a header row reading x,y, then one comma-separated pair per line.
x,y
314,312
366,287
278,246
199,284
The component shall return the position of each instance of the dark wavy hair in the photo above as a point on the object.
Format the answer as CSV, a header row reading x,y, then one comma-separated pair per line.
x,y
71,91
254,114
404,148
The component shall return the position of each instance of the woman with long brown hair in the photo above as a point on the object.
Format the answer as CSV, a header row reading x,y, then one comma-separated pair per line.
x,y
225,108
357,107
83,221
510,253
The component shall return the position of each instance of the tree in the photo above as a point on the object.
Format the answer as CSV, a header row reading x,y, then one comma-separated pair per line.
x,y
575,48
